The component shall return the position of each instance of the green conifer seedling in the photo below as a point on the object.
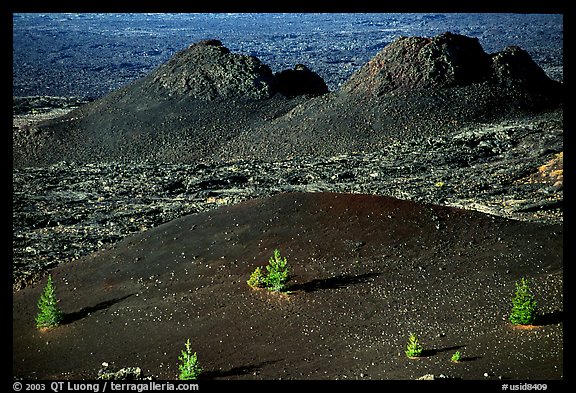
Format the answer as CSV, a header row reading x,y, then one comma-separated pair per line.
x,y
413,349
49,314
189,368
257,278
523,305
456,357
277,272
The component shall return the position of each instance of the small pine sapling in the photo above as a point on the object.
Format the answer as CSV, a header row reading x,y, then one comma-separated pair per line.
x,y
257,278
456,357
49,314
189,368
413,349
523,305
277,272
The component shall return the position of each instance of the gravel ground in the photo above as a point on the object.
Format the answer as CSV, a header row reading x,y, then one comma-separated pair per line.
x,y
366,271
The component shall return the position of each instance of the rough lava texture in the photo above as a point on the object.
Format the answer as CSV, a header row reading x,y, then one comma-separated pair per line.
x,y
181,112
412,63
514,67
67,210
207,70
367,270
415,88
444,61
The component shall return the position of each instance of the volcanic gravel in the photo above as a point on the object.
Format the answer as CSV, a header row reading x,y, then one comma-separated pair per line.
x,y
366,271
208,104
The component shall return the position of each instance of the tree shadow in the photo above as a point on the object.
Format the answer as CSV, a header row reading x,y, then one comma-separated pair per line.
x,y
551,318
432,352
470,358
77,315
342,281
236,371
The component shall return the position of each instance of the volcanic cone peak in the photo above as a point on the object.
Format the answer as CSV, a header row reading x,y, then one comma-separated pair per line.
x,y
513,66
208,70
447,60
418,62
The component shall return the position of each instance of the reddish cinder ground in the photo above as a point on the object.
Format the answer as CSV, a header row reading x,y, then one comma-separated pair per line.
x,y
366,272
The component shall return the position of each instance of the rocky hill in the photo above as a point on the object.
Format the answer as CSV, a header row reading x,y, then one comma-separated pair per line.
x,y
207,104
445,61
181,112
414,88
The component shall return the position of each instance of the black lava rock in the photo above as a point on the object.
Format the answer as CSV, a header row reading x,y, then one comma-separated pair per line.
x,y
181,112
513,67
300,80
411,63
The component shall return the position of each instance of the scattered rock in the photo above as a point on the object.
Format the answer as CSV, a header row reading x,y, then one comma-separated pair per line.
x,y
110,373
513,67
395,288
159,149
40,105
414,88
444,61
409,63
67,210
432,377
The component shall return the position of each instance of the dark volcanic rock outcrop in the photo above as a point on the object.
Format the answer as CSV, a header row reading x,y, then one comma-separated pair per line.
x,y
411,63
207,70
444,61
514,67
66,210
301,80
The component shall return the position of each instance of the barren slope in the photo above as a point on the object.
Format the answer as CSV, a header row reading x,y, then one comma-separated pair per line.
x,y
367,271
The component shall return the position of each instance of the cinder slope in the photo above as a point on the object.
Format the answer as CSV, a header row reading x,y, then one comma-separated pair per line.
x,y
366,271
180,112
